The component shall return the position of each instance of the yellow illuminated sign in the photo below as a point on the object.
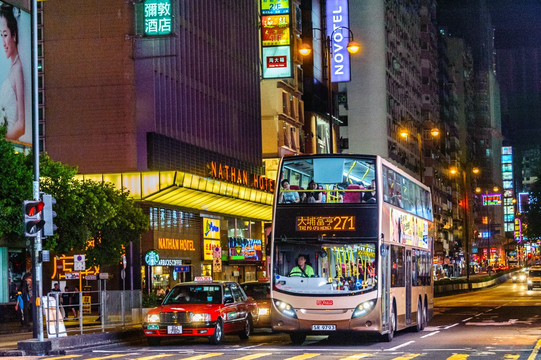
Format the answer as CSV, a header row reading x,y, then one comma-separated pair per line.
x,y
175,244
325,223
211,228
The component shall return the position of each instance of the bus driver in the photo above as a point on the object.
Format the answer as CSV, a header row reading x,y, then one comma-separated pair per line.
x,y
302,269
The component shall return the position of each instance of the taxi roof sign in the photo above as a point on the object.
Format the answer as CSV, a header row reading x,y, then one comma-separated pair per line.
x,y
203,278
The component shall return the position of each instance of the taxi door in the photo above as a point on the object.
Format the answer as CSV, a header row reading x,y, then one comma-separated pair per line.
x,y
230,311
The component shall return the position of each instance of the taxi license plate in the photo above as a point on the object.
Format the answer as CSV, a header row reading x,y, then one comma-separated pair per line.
x,y
324,327
174,329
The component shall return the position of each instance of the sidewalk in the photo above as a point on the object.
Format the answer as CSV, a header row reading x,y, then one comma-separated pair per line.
x,y
18,341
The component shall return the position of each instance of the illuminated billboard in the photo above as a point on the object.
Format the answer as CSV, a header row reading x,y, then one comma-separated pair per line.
x,y
276,62
492,200
276,39
269,7
275,30
338,32
15,73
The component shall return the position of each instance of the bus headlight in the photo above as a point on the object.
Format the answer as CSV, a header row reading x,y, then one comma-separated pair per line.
x,y
530,282
153,318
285,308
363,308
203,317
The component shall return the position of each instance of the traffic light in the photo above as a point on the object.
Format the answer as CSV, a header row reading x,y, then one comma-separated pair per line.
x,y
32,211
48,214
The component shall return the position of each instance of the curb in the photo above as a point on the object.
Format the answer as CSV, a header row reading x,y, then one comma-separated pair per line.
x,y
56,346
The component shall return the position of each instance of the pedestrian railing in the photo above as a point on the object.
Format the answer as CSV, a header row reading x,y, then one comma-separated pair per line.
x,y
92,311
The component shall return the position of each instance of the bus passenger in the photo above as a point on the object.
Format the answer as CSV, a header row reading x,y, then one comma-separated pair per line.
x,y
288,197
369,197
313,196
302,269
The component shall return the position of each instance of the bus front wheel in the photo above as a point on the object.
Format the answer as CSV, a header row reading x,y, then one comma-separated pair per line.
x,y
297,338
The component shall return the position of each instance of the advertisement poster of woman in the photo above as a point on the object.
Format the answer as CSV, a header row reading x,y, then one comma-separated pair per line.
x,y
15,73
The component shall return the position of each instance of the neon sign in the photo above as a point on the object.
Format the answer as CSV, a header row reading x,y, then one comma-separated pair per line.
x,y
492,200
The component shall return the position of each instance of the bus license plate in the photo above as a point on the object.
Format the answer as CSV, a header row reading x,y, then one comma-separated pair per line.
x,y
324,327
174,329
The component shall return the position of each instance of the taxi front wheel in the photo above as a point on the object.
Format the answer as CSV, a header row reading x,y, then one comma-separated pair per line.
x,y
218,335
245,333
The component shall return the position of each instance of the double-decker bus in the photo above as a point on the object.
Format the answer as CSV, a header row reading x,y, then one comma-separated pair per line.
x,y
366,243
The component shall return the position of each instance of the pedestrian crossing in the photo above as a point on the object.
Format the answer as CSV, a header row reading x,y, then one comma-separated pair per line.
x,y
284,355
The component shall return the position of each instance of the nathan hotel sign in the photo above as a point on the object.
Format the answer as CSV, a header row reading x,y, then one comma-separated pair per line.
x,y
242,177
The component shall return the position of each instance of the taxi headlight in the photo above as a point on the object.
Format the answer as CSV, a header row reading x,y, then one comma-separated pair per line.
x,y
203,317
263,311
363,308
153,318
285,308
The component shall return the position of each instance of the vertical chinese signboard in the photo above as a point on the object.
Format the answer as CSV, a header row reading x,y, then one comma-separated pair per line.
x,y
276,39
154,18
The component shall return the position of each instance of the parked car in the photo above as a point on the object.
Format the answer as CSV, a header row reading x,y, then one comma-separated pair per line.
x,y
201,308
260,292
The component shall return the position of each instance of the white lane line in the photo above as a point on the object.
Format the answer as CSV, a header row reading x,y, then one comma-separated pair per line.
x,y
427,335
467,319
450,326
400,346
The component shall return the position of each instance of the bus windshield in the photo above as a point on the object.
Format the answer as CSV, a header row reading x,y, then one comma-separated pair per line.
x,y
327,180
335,268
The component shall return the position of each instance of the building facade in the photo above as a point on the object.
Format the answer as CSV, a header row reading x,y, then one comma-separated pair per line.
x,y
164,100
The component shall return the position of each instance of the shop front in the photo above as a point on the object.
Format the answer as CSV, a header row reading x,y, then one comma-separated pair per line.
x,y
200,225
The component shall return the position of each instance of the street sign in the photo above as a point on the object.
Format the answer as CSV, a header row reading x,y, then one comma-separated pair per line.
x,y
79,263
91,277
72,276
183,268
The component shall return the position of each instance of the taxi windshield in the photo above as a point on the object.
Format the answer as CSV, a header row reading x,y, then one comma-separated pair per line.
x,y
194,294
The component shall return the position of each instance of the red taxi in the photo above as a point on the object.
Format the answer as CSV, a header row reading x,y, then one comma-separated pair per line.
x,y
201,308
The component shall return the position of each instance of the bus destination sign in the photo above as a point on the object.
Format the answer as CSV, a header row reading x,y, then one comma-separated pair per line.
x,y
325,223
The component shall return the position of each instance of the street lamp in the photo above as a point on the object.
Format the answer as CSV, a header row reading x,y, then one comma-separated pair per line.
x,y
434,132
353,47
466,202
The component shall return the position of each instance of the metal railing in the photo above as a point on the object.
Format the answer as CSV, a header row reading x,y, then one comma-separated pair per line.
x,y
97,311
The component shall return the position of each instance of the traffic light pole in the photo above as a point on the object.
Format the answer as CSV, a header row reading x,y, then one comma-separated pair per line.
x,y
36,259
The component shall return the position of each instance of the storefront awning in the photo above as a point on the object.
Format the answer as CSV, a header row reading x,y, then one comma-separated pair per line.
x,y
177,188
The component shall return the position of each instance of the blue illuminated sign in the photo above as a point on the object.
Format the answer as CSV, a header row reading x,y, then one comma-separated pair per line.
x,y
337,30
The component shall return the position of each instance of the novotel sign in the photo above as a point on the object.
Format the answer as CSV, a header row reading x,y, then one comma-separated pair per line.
x,y
338,19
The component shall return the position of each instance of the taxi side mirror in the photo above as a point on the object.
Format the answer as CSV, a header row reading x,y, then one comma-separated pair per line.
x,y
228,300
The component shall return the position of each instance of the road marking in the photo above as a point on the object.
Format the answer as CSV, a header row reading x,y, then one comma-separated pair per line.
x,y
303,356
458,357
535,350
204,356
511,357
64,357
400,346
107,357
467,319
406,357
253,356
151,357
450,326
427,335
356,356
